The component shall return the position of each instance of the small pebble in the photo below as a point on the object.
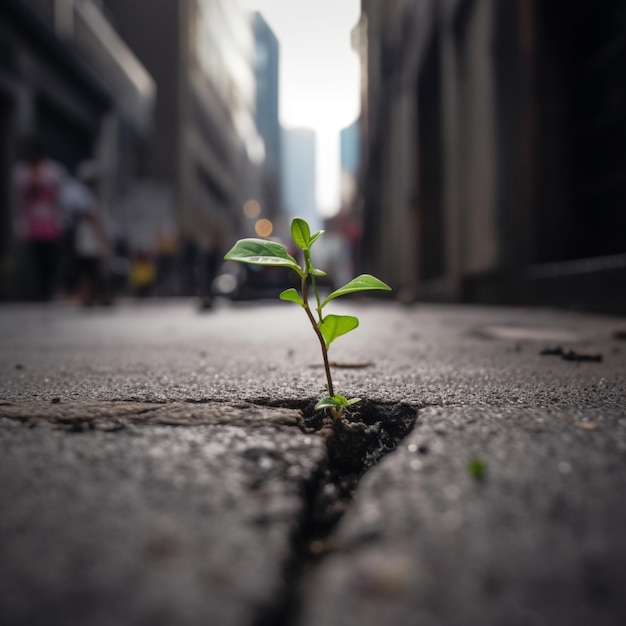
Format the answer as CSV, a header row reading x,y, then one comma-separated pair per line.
x,y
565,467
416,465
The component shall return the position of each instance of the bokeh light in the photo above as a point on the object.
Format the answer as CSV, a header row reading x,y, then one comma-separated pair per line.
x,y
263,228
252,209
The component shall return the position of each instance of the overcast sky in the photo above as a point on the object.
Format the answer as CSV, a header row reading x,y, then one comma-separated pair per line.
x,y
319,76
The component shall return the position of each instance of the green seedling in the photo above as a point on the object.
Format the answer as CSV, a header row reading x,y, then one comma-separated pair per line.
x,y
477,468
327,327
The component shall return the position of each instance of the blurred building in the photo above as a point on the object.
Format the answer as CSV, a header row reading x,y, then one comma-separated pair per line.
x,y
266,72
205,147
67,78
494,167
299,174
349,158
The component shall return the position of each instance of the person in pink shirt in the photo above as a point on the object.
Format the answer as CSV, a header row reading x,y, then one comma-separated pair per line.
x,y
38,186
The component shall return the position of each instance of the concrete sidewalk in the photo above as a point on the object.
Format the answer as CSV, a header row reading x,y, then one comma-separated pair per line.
x,y
163,466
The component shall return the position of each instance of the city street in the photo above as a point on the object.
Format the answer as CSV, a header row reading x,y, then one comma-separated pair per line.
x,y
162,461
160,465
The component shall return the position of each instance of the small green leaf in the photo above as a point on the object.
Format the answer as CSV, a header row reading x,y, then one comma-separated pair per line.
x,y
477,468
262,252
291,295
315,237
326,403
333,326
313,270
301,233
364,282
336,401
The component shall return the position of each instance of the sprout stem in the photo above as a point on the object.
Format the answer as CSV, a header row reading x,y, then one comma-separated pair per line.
x,y
305,300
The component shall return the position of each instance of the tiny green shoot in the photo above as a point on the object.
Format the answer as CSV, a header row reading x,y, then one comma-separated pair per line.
x,y
327,327
477,468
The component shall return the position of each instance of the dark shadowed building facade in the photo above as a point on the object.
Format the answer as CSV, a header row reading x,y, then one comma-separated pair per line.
x,y
494,167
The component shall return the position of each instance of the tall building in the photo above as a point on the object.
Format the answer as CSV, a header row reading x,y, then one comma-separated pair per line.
x,y
266,71
299,174
205,147
68,79
349,156
493,162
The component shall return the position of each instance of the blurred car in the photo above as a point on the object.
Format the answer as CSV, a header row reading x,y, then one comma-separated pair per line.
x,y
242,281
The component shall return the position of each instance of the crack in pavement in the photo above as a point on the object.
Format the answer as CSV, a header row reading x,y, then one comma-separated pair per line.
x,y
98,415
355,444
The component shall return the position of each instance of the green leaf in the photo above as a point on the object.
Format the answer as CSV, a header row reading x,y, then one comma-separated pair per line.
x,y
333,326
291,295
312,270
477,468
301,233
326,403
315,237
262,252
333,402
364,282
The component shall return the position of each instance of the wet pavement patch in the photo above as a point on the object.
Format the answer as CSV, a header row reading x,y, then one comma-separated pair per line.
x,y
519,332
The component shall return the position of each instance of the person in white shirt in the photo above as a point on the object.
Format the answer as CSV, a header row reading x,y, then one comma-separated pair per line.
x,y
91,244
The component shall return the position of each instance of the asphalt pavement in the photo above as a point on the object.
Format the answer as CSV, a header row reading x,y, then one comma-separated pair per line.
x,y
161,465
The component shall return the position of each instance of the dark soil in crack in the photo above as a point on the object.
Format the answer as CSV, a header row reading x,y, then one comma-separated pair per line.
x,y
355,444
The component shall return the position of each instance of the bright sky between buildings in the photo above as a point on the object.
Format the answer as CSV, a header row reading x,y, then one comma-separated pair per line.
x,y
319,76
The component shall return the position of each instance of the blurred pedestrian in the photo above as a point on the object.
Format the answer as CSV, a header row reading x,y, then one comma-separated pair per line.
x,y
38,188
166,250
211,261
142,274
68,264
91,241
